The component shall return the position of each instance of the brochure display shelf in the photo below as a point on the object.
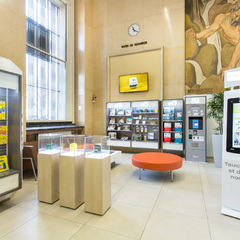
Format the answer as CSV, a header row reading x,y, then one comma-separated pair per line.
x,y
172,125
10,127
133,124
145,124
119,123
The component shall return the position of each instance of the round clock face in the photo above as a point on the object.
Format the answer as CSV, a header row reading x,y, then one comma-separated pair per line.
x,y
134,29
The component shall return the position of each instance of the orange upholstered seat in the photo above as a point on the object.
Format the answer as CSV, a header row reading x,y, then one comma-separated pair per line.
x,y
157,161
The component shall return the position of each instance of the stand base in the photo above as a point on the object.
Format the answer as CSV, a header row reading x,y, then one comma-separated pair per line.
x,y
230,212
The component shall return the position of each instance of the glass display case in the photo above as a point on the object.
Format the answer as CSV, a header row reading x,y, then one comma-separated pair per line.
x,y
72,145
172,125
49,143
96,146
133,124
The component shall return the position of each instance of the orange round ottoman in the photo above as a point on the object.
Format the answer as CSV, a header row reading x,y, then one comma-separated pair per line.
x,y
157,161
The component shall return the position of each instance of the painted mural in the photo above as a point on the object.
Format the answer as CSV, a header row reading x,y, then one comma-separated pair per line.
x,y
212,43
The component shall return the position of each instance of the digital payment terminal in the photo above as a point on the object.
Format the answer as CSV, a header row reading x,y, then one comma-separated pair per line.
x,y
195,119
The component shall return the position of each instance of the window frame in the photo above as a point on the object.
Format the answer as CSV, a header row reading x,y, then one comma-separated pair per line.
x,y
69,61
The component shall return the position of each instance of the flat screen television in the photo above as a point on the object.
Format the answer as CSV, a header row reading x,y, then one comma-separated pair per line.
x,y
133,83
233,125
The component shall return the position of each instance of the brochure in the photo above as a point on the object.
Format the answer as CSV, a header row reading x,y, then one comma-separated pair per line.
x,y
129,112
3,163
167,137
126,127
179,116
112,120
112,135
112,112
167,127
178,137
178,127
129,120
121,120
120,112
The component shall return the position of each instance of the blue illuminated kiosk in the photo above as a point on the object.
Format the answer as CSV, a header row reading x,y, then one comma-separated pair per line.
x,y
231,146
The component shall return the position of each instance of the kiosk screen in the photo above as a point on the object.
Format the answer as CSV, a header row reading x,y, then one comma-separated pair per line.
x,y
196,123
233,125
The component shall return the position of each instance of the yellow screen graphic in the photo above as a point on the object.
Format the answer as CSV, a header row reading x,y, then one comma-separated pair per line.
x,y
133,83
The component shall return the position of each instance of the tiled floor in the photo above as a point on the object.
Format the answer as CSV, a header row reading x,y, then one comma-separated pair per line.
x,y
147,209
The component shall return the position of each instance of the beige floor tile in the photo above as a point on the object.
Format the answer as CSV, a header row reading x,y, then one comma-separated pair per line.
x,y
151,179
150,208
122,173
13,217
33,204
183,196
123,218
137,195
78,215
90,233
28,191
213,207
173,226
223,231
45,227
115,187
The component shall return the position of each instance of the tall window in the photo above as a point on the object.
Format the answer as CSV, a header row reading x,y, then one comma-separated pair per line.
x,y
46,60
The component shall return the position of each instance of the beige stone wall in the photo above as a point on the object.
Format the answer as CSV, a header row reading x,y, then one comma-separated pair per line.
x,y
13,37
161,25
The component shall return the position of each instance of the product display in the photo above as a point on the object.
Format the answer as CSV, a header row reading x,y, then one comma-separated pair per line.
x,y
136,124
97,146
172,122
11,128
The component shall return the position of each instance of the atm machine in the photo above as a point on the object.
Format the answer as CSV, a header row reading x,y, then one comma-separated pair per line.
x,y
195,131
231,145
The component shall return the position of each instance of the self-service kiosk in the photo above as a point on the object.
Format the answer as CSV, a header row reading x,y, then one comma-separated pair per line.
x,y
195,131
231,146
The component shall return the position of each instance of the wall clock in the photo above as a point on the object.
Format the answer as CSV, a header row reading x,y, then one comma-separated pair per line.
x,y
134,29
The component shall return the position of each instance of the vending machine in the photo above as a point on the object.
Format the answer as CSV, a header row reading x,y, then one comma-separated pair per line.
x,y
231,146
195,131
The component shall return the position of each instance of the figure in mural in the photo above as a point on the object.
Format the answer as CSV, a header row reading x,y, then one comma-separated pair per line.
x,y
229,23
212,43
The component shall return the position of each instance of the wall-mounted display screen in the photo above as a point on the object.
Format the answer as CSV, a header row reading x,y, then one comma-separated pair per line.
x,y
196,123
133,83
233,125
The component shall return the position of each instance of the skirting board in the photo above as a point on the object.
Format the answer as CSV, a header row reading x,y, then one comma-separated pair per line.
x,y
230,212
